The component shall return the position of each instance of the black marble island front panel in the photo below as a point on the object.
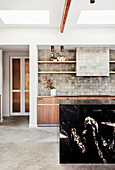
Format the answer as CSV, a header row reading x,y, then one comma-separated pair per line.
x,y
87,133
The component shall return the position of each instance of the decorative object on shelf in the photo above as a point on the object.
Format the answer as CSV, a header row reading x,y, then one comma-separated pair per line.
x,y
52,55
62,48
48,84
62,58
92,1
52,48
53,92
53,58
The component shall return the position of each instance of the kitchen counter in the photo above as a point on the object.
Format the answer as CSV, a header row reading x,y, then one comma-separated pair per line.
x,y
98,101
84,97
80,96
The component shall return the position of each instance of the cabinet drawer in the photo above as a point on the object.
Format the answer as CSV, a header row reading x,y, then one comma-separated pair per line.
x,y
50,100
39,100
47,100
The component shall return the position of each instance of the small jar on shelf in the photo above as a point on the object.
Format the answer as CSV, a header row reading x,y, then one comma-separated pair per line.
x,y
53,58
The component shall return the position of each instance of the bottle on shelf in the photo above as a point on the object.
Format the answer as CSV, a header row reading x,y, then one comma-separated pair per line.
x,y
53,58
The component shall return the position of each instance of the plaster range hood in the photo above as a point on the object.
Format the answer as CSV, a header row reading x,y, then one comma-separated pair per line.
x,y
92,61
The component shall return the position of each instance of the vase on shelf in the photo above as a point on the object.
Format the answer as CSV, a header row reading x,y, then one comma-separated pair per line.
x,y
49,85
53,92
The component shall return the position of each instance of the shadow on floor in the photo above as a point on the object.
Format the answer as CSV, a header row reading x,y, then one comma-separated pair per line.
x,y
15,121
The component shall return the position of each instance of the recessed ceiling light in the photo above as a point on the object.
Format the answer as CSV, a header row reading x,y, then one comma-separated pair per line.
x,y
25,16
96,17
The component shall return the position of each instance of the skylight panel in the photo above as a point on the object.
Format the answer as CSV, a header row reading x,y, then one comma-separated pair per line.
x,y
96,17
25,16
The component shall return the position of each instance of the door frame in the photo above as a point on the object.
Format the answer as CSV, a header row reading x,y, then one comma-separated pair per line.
x,y
22,86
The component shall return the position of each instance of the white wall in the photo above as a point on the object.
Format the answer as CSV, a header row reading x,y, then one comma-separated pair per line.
x,y
1,72
33,53
6,79
1,83
78,36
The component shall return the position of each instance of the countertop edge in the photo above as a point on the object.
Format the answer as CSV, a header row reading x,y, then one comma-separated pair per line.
x,y
75,96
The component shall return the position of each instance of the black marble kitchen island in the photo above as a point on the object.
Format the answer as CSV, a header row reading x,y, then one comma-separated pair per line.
x,y
87,131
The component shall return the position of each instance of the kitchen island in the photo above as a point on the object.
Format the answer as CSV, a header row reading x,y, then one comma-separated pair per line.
x,y
48,106
87,131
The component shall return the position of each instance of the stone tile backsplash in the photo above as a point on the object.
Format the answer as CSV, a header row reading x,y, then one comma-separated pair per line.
x,y
56,67
70,84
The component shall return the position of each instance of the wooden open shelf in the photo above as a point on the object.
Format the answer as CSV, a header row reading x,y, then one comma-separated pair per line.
x,y
112,72
62,72
56,72
62,62
56,62
112,61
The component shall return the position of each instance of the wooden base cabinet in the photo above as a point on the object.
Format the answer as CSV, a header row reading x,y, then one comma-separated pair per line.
x,y
47,110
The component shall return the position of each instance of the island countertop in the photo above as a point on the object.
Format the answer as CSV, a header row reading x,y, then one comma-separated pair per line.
x,y
87,101
105,99
82,97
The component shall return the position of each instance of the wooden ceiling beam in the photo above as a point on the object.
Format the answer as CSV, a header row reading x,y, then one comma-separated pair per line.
x,y
65,14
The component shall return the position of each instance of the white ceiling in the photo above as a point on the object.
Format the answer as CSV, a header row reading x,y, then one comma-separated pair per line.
x,y
55,8
78,5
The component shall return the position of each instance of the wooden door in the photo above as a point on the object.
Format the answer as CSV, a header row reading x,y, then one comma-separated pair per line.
x,y
19,86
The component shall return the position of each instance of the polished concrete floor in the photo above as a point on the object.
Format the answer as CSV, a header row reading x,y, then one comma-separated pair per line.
x,y
22,148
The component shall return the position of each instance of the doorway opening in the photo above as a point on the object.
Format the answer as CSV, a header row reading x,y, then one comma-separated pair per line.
x,y
15,82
